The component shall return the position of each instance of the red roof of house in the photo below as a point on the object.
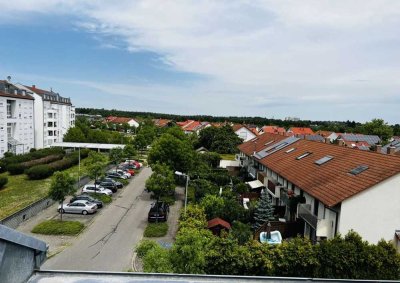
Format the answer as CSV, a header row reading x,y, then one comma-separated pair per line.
x,y
273,130
37,90
218,221
324,133
301,131
161,122
259,143
330,182
118,120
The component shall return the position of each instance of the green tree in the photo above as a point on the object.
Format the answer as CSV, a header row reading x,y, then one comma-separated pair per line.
x,y
264,211
176,153
193,218
161,182
241,232
97,136
129,151
188,254
157,260
378,127
62,185
95,164
225,140
213,206
74,134
116,155
206,137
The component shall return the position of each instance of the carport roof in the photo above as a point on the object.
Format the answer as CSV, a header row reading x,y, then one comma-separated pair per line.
x,y
87,145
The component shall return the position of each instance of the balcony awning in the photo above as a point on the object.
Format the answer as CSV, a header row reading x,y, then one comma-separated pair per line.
x,y
255,184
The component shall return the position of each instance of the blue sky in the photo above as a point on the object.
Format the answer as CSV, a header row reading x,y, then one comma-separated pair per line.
x,y
318,60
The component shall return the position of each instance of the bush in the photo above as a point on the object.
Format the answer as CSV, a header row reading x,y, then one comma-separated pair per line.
x,y
2,167
57,227
39,172
104,198
15,169
156,229
144,246
43,160
124,181
8,154
32,149
3,181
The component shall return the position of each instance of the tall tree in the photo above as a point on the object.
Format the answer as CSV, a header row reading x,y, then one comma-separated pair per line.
x,y
129,151
61,186
378,127
74,134
161,182
95,164
264,210
116,155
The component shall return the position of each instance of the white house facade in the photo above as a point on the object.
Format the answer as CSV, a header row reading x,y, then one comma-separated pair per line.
x,y
54,115
339,189
16,120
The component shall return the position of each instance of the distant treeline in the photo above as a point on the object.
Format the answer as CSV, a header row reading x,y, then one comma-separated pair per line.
x,y
335,126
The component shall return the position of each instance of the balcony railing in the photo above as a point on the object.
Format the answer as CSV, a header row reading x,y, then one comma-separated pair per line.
x,y
304,212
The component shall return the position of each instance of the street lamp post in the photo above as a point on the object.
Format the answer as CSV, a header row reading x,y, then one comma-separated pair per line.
x,y
186,187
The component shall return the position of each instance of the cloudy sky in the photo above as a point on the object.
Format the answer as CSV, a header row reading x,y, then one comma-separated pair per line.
x,y
318,60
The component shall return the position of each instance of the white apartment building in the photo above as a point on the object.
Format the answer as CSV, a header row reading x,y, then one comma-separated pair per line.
x,y
54,115
16,119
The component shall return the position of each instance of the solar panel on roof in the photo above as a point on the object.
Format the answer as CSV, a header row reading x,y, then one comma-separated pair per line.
x,y
359,169
274,148
303,155
323,160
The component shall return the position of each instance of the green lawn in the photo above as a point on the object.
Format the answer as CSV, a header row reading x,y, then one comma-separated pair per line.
x,y
21,192
227,156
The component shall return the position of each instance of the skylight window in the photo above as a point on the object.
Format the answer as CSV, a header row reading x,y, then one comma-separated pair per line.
x,y
359,169
269,142
323,160
290,150
303,155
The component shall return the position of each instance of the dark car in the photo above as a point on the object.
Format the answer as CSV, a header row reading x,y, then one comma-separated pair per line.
x,y
109,185
119,185
114,175
88,198
158,212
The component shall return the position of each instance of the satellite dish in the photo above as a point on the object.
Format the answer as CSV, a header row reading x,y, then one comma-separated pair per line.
x,y
8,78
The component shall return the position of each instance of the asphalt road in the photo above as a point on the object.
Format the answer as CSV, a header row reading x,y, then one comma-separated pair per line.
x,y
107,244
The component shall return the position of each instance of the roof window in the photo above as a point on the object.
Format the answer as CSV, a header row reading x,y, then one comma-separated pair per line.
x,y
290,150
323,160
303,155
267,143
359,169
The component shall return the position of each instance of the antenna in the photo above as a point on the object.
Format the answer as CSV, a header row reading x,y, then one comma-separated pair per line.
x,y
8,78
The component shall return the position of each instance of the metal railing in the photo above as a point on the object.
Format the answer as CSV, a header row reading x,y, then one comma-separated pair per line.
x,y
304,212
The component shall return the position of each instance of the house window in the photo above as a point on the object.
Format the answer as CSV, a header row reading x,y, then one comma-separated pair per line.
x,y
323,160
290,150
50,115
303,155
359,169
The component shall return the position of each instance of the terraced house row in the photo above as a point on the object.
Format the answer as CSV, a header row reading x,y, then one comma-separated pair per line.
x,y
341,188
32,118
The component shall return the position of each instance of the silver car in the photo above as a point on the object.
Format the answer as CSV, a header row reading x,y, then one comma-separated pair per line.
x,y
79,206
96,189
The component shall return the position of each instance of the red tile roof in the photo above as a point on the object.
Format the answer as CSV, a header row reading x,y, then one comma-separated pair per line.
x,y
300,131
273,130
331,182
118,120
259,142
161,122
218,221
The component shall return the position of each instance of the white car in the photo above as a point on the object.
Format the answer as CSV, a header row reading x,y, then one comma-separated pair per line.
x,y
79,206
96,189
122,172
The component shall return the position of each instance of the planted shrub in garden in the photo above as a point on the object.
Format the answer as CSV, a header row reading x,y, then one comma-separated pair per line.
x,y
43,160
39,172
15,169
3,181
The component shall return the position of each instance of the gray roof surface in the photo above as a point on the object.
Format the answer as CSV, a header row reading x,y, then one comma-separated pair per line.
x,y
370,139
395,143
13,236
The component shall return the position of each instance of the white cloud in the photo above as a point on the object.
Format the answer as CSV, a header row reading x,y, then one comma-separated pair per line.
x,y
314,52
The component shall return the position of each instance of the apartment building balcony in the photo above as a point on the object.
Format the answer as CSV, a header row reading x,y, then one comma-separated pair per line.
x,y
322,227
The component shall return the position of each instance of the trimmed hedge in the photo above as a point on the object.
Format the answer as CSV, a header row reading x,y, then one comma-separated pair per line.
x,y
156,229
15,169
57,227
39,172
3,181
43,171
43,160
11,159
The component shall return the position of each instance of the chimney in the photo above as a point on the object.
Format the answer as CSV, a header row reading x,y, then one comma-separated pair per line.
x,y
326,140
33,86
391,149
341,142
378,148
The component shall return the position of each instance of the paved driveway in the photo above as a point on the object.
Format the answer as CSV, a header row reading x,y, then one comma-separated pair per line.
x,y
107,244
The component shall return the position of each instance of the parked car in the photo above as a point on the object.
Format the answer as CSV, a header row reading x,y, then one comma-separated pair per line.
x,y
134,163
96,189
128,170
115,175
124,173
108,185
80,206
119,185
129,166
158,212
87,198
